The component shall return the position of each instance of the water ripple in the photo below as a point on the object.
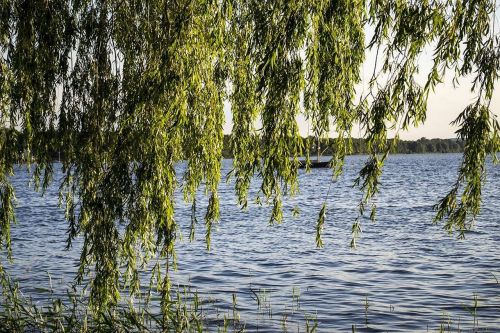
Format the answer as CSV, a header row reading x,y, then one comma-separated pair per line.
x,y
412,273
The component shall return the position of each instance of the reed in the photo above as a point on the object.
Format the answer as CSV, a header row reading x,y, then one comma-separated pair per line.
x,y
367,305
186,312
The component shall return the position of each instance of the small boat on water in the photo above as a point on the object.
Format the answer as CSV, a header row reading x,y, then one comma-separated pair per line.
x,y
314,164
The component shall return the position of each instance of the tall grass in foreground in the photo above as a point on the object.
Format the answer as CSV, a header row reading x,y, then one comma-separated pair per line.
x,y
187,312
71,314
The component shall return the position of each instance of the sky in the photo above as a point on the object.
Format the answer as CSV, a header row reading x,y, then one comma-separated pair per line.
x,y
444,104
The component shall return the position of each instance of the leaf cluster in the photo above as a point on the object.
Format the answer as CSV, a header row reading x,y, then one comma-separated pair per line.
x,y
131,88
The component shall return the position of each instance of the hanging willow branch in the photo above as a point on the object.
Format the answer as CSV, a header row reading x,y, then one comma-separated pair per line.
x,y
142,86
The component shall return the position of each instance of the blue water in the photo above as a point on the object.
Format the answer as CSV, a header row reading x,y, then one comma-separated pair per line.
x,y
412,273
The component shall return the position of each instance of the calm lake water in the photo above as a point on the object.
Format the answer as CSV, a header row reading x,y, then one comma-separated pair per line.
x,y
412,273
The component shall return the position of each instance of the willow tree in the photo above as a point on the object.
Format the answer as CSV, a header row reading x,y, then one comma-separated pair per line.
x,y
125,89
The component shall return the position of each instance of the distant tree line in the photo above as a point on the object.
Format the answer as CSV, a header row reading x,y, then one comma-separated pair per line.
x,y
359,147
420,146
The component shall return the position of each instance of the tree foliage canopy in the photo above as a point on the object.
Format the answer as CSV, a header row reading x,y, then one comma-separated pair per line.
x,y
142,86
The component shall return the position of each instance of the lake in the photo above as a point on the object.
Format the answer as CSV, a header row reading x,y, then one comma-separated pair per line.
x,y
412,275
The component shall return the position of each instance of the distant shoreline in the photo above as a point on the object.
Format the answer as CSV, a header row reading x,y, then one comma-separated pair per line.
x,y
326,157
403,147
358,147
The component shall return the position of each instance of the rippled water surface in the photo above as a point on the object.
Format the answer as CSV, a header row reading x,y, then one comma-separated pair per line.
x,y
412,274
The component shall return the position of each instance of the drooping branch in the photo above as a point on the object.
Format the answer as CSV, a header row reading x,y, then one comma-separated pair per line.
x,y
143,86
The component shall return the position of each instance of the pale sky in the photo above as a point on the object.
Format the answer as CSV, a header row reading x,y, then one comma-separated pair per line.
x,y
444,104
